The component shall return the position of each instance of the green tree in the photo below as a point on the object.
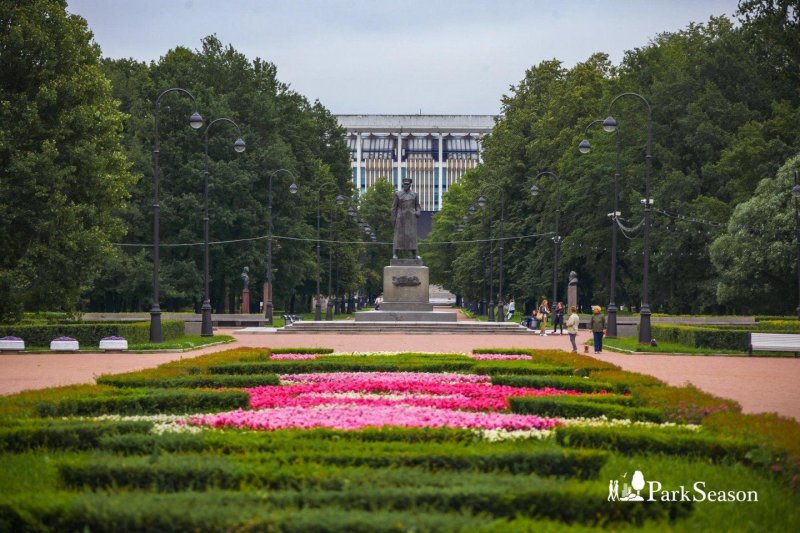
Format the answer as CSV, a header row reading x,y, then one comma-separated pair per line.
x,y
756,255
63,175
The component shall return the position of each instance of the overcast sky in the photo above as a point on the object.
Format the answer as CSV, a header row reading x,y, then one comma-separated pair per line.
x,y
362,56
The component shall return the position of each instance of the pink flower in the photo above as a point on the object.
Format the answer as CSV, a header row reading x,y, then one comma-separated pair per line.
x,y
500,357
350,417
293,356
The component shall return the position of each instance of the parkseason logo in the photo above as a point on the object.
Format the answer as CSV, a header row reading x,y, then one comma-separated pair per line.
x,y
639,489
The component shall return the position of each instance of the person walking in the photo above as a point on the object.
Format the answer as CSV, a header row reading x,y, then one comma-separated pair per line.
x,y
511,308
598,326
558,318
572,327
541,316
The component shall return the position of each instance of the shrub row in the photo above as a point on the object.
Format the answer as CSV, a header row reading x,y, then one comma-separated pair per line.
x,y
576,407
357,511
212,511
556,382
65,435
704,337
192,381
555,357
90,333
640,440
363,364
496,368
147,402
311,439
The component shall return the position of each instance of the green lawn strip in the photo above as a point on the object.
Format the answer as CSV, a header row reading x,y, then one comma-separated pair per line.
x,y
577,407
188,342
631,345
147,401
669,440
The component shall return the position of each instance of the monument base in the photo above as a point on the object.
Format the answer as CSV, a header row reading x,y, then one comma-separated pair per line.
x,y
405,316
406,306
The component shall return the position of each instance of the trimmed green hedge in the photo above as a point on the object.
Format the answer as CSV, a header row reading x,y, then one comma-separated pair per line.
x,y
337,364
704,337
556,382
515,367
90,333
148,402
190,382
65,435
576,407
638,440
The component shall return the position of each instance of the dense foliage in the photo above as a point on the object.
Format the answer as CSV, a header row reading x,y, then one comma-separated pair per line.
x,y
63,174
723,123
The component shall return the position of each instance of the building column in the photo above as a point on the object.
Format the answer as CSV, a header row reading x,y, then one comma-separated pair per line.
x,y
478,146
399,160
440,178
358,161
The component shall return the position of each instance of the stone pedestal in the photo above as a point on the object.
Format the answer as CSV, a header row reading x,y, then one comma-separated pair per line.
x,y
572,295
405,295
246,301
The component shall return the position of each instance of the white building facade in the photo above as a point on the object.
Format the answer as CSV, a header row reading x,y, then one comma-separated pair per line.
x,y
433,150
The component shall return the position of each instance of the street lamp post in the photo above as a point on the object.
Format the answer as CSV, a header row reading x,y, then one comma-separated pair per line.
x,y
206,328
796,194
196,122
610,125
585,147
557,237
318,304
268,306
482,202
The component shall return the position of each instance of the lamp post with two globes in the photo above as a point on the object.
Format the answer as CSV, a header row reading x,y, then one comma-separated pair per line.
x,y
196,122
268,306
206,328
610,125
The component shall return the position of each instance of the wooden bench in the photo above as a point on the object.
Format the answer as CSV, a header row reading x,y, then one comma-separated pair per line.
x,y
775,342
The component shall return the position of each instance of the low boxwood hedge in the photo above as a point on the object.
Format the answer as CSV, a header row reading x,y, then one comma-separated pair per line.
x,y
90,333
59,435
576,407
194,381
148,402
639,440
556,382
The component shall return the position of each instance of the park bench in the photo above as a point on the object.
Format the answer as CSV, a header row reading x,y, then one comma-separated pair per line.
x,y
775,342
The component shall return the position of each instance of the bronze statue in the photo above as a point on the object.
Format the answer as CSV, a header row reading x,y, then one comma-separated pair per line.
x,y
245,278
405,211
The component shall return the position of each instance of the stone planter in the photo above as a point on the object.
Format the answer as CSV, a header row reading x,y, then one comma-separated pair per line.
x,y
12,344
113,345
64,346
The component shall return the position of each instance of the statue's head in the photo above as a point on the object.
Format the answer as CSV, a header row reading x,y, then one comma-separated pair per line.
x,y
407,184
246,270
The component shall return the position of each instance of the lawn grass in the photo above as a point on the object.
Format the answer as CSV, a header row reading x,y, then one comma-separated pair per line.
x,y
384,479
187,342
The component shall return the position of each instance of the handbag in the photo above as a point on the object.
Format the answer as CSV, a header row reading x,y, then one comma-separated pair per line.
x,y
539,316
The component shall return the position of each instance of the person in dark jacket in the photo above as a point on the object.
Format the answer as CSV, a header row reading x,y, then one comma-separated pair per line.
x,y
598,327
558,318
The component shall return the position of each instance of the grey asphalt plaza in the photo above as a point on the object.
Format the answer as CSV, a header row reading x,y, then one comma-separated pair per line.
x,y
759,384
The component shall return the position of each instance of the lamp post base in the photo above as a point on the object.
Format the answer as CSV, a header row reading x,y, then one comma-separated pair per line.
x,y
318,311
645,331
206,328
501,314
329,310
611,324
155,325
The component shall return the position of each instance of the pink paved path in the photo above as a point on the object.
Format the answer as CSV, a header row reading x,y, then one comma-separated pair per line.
x,y
760,384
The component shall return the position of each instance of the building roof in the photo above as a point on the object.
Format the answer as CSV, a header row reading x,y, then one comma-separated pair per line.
x,y
418,123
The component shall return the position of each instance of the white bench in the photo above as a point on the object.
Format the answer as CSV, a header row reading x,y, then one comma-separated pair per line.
x,y
775,342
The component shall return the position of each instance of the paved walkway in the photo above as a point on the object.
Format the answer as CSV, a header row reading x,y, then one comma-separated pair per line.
x,y
760,384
